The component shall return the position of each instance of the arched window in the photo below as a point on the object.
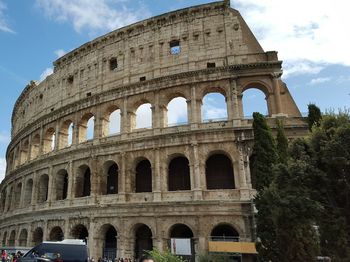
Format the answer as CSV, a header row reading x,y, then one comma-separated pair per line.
x,y
83,182
28,192
12,238
24,151
80,232
9,199
56,234
177,111
114,122
66,134
35,145
224,232
22,241
219,172
49,140
112,179
214,107
110,242
143,240
254,100
43,188
179,174
144,116
61,185
143,177
37,236
86,127
181,231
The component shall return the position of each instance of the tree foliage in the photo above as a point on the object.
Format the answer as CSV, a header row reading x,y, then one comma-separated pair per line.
x,y
314,116
282,144
165,256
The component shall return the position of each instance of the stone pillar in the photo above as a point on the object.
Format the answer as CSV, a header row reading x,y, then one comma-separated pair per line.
x,y
30,235
29,148
41,144
22,194
94,176
124,117
122,179
70,189
66,231
194,117
242,175
75,136
229,103
57,136
46,234
196,176
50,190
277,93
92,240
35,189
157,194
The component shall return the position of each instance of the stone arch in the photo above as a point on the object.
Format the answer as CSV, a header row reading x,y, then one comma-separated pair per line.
x,y
28,190
62,180
224,232
179,177
143,115
43,188
18,194
177,111
219,171
108,241
83,181
24,151
38,235
252,89
49,140
110,178
35,146
111,121
214,106
66,134
80,232
86,127
143,240
182,231
143,176
56,234
12,239
23,236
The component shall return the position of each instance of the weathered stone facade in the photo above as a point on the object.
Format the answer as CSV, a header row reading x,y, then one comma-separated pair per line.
x,y
67,190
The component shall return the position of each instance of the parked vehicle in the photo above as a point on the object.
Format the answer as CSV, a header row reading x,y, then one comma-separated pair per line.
x,y
68,250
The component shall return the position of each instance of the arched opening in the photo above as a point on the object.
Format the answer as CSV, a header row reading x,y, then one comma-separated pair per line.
x,y
66,134
43,188
4,238
35,145
9,199
49,140
83,182
144,116
28,192
61,185
56,234
18,193
254,100
182,235
143,177
38,236
224,232
12,238
3,200
219,172
214,107
112,178
86,127
22,241
143,240
80,232
24,151
110,242
114,122
177,111
179,174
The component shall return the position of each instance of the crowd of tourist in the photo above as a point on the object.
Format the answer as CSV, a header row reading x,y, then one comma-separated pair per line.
x,y
8,257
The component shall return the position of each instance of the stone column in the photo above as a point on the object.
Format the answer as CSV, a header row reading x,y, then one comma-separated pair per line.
x,y
122,179
57,136
229,103
75,135
124,117
30,235
35,189
50,190
41,144
196,176
70,188
22,194
194,117
157,195
277,92
94,176
29,148
242,175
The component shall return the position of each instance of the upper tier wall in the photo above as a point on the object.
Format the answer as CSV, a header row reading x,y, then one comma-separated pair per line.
x,y
211,33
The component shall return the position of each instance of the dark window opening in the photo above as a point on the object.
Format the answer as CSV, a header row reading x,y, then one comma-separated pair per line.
x,y
65,186
179,174
143,177
144,243
175,48
113,63
110,243
224,233
56,234
80,232
52,109
87,183
219,172
88,94
211,65
70,79
142,78
112,180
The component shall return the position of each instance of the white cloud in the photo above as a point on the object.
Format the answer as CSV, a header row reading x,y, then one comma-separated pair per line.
x,y
313,31
60,52
3,22
4,138
144,116
177,111
46,73
93,15
2,168
214,107
320,80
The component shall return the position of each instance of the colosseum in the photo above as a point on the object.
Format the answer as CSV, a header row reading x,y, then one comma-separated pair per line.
x,y
127,188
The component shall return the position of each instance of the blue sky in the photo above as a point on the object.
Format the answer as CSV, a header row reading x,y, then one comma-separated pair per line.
x,y
311,37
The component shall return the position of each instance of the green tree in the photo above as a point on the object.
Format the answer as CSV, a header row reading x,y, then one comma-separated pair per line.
x,y
264,154
165,256
314,116
282,143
